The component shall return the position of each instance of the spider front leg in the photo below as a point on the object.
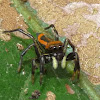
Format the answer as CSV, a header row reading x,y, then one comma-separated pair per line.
x,y
74,56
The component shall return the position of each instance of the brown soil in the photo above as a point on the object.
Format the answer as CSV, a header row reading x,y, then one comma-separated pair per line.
x,y
10,18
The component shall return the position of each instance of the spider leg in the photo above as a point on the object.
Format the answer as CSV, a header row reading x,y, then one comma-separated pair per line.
x,y
77,66
45,58
21,56
54,29
74,56
66,42
65,46
42,62
33,69
70,43
20,30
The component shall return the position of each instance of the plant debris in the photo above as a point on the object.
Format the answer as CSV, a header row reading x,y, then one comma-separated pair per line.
x,y
50,96
26,91
6,49
20,46
69,89
35,94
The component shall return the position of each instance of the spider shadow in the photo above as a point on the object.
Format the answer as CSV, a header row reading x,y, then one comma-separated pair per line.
x,y
57,73
50,71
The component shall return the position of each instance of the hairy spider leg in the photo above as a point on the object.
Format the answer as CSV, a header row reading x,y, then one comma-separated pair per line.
x,y
21,56
42,62
45,58
54,29
33,69
70,43
77,66
76,61
73,56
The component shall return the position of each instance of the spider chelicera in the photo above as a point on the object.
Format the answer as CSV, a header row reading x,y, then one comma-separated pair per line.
x,y
47,50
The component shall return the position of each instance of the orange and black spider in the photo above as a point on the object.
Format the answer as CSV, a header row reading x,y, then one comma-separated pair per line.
x,y
47,50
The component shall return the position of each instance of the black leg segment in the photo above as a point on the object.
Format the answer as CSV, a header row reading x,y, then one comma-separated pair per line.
x,y
77,66
42,62
33,69
21,56
19,30
70,43
54,29
74,56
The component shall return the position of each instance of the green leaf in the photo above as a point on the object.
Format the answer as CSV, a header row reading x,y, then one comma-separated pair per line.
x,y
54,81
10,81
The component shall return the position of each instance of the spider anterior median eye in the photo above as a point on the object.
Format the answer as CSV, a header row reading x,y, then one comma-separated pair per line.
x,y
54,47
60,46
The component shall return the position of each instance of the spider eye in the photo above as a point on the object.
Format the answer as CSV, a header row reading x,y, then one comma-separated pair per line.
x,y
54,47
51,47
60,46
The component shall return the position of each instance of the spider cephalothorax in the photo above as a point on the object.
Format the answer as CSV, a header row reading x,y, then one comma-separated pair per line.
x,y
47,50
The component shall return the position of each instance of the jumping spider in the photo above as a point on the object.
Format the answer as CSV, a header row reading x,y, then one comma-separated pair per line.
x,y
47,50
